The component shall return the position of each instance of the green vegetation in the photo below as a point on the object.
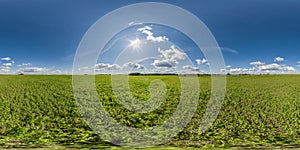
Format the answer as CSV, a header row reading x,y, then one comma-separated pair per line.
x,y
258,111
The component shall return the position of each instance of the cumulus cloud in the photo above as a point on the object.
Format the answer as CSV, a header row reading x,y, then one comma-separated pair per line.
x,y
32,70
144,28
133,65
57,71
236,70
164,63
7,64
5,67
172,54
170,57
278,59
228,66
147,31
288,68
261,67
223,70
25,65
273,66
188,67
242,70
103,66
201,61
5,58
276,67
298,63
6,70
257,63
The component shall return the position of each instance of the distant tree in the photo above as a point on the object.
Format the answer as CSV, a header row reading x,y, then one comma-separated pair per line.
x,y
135,74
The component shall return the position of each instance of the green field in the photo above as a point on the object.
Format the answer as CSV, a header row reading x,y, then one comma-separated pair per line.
x,y
258,111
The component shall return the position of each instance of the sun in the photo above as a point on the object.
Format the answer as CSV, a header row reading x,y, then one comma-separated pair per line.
x,y
135,44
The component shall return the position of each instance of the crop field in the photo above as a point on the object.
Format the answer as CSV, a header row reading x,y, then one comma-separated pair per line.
x,y
259,111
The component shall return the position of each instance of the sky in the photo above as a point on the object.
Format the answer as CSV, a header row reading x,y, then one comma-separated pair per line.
x,y
255,36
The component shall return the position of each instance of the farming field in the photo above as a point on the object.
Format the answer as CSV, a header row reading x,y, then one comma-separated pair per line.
x,y
258,111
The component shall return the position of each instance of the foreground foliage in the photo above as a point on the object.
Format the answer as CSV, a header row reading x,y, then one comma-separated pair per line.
x,y
258,111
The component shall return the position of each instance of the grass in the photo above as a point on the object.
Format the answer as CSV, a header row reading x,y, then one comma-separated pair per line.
x,y
258,112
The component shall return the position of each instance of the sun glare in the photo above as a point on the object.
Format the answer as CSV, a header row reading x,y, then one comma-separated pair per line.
x,y
135,44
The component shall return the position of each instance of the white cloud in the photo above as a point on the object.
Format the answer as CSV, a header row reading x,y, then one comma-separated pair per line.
x,y
5,58
228,66
201,61
147,31
235,70
276,67
273,66
190,68
157,39
261,66
144,28
170,57
103,66
164,63
32,70
134,23
223,70
86,68
298,63
257,63
173,54
288,68
132,65
278,59
241,70
5,70
7,64
25,65
5,67
229,50
114,67
57,71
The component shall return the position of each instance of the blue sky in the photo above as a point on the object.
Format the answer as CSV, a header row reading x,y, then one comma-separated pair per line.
x,y
254,35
